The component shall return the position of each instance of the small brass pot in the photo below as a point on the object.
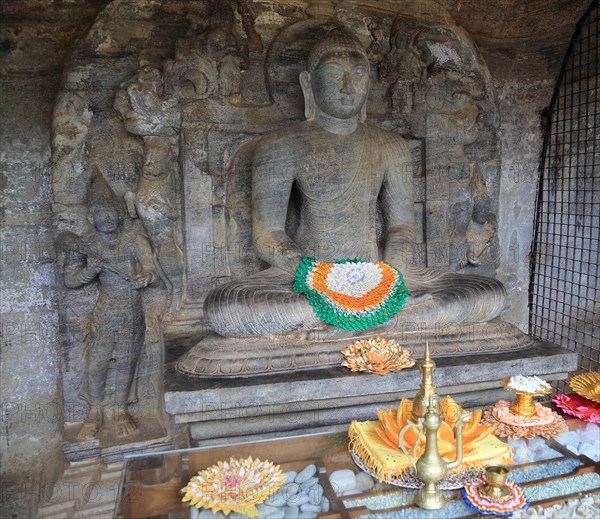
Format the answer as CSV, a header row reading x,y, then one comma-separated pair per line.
x,y
496,477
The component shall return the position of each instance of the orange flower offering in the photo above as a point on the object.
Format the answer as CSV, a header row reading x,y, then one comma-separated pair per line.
x,y
376,443
377,355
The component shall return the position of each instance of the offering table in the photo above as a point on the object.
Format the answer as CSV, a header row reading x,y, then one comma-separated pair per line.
x,y
150,484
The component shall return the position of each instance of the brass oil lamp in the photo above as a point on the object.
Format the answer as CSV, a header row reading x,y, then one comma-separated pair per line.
x,y
427,419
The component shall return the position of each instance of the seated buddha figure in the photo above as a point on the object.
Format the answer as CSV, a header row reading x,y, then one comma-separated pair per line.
x,y
341,169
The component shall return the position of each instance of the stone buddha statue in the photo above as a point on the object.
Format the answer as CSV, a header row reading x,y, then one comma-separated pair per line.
x,y
341,172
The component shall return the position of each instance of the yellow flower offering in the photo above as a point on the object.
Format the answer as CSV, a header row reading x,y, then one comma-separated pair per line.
x,y
237,485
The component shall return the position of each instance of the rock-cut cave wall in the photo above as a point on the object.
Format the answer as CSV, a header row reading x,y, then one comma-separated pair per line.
x,y
522,45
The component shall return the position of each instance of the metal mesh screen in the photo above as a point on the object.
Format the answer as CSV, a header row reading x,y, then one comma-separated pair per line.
x,y
564,290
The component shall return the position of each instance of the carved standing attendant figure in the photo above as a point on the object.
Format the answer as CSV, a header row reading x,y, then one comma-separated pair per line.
x,y
340,169
122,263
155,202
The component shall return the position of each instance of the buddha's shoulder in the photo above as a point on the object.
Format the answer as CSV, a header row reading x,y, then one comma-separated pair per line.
x,y
386,139
293,138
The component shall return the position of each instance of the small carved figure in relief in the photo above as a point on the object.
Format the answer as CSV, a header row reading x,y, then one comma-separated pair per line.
x,y
221,44
122,263
402,68
472,225
483,226
143,106
156,203
374,51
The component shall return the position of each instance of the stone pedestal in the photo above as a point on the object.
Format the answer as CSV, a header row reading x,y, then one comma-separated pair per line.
x,y
218,357
244,409
151,436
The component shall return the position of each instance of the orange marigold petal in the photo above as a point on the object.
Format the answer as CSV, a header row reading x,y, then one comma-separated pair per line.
x,y
445,433
404,412
383,436
371,299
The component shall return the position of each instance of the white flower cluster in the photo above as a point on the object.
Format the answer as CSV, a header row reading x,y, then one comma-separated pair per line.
x,y
525,384
354,279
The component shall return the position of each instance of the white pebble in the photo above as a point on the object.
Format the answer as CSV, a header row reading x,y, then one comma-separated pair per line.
x,y
535,444
276,499
315,494
290,476
309,483
290,489
342,481
266,509
590,450
364,482
202,514
306,473
297,500
573,449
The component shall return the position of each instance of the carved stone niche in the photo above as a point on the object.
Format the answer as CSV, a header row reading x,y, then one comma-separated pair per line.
x,y
169,109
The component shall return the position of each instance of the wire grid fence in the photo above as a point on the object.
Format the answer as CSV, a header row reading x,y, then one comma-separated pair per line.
x,y
564,291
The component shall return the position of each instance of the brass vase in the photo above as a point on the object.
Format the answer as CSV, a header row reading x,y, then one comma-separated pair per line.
x,y
496,477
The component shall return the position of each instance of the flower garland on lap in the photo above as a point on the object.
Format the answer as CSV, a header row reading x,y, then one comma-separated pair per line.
x,y
351,293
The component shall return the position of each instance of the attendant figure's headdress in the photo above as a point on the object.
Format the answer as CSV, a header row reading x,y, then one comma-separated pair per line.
x,y
101,194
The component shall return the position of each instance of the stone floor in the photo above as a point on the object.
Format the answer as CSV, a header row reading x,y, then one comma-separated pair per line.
x,y
87,489
89,485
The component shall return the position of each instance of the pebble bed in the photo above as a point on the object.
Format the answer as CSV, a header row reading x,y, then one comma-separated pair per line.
x,y
520,475
458,508
584,441
300,497
543,470
532,450
582,483
587,507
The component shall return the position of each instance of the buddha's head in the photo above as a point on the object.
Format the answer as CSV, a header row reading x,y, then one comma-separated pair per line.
x,y
336,79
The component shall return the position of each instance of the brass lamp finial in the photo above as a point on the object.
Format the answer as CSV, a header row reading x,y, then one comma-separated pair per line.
x,y
427,388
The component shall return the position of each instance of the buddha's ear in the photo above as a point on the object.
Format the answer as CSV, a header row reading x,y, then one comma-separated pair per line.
x,y
362,115
309,99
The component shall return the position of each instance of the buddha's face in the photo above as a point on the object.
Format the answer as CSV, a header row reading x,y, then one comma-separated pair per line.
x,y
340,84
